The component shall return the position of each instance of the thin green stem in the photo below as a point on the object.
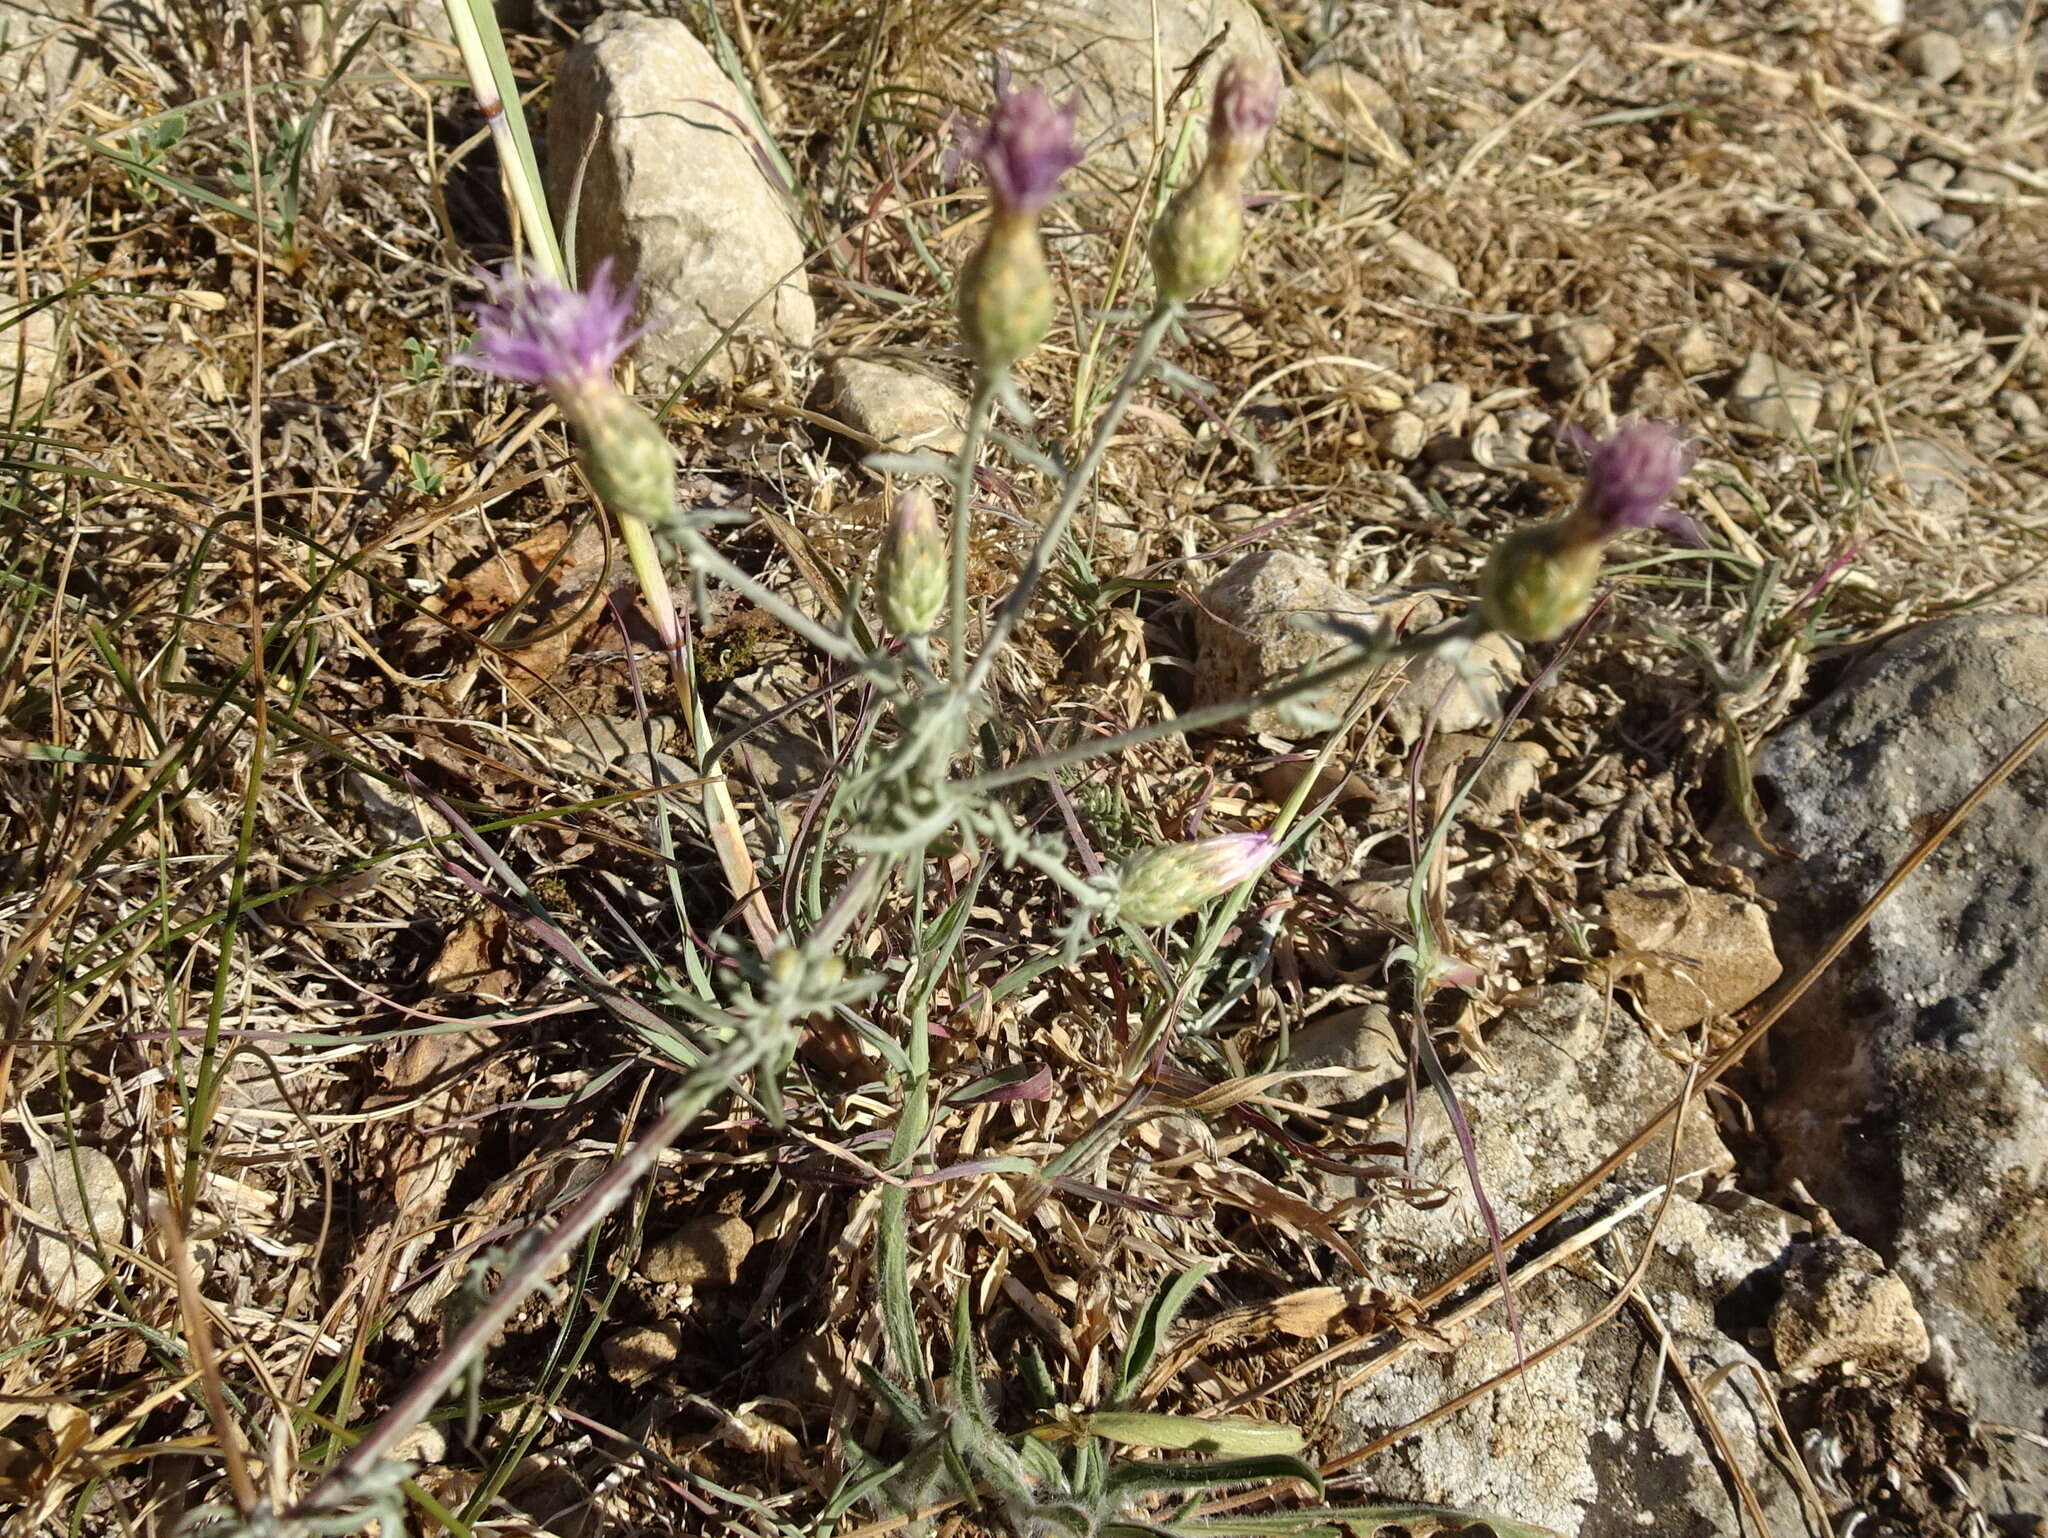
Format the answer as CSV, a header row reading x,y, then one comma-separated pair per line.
x,y
1077,483
644,556
985,387
1217,923
490,77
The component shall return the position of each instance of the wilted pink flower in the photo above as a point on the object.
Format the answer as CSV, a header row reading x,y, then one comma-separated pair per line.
x,y
1168,881
1629,478
1025,147
1245,105
1539,580
562,340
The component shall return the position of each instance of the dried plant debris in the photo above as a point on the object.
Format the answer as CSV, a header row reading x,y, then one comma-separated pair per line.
x,y
1113,1110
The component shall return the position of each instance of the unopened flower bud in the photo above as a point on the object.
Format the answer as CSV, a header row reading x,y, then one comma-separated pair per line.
x,y
1005,295
911,570
1539,580
1197,240
625,456
1024,148
1169,881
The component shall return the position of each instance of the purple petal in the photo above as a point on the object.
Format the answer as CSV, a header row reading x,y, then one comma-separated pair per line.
x,y
1629,477
533,330
1025,147
1246,104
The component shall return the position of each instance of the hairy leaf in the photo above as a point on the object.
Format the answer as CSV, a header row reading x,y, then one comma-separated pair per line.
x,y
1151,1327
1142,1428
1139,1476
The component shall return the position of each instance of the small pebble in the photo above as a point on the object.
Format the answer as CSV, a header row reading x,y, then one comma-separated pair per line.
x,y
1985,184
1909,205
1930,173
642,1352
1932,55
707,1251
2020,408
1951,230
1444,405
1879,168
1451,449
1591,342
1694,352
1836,194
1401,436
1777,397
1426,262
1564,375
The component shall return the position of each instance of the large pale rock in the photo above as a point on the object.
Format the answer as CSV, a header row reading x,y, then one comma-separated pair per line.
x,y
1776,397
30,360
899,408
1842,1309
1361,1043
1340,118
1572,1079
674,195
1594,1439
1102,53
1912,1083
1456,692
1264,618
707,1252
53,47
1934,474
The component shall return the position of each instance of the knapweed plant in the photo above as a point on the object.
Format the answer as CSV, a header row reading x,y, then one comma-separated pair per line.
x,y
928,777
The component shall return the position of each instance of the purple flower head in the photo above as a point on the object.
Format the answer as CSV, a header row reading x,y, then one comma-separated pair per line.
x,y
1025,147
563,340
1630,476
1245,105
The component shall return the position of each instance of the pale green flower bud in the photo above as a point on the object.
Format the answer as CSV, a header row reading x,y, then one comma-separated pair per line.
x,y
624,454
911,570
1005,294
1169,881
1539,580
1197,240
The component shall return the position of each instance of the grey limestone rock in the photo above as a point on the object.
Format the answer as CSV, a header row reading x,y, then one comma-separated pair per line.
x,y
1912,1084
